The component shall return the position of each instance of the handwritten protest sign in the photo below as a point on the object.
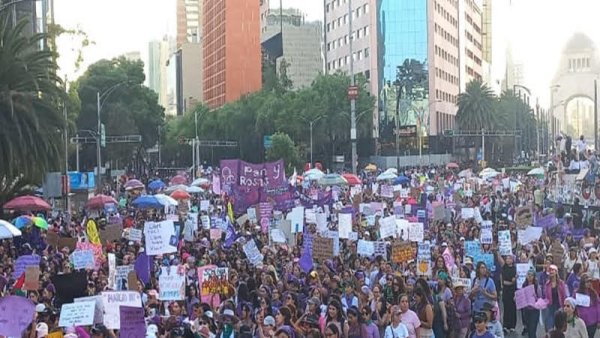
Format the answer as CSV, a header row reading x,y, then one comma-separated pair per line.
x,y
546,222
402,229
524,217
345,225
522,269
365,248
133,324
504,243
403,252
380,249
215,234
83,259
322,248
16,313
205,222
251,251
529,235
112,233
335,236
424,259
171,284
23,262
486,236
439,212
297,218
112,300
415,232
464,281
467,213
204,205
387,227
582,299
387,191
525,297
135,235
158,237
472,248
122,276
96,249
98,307
77,314
32,278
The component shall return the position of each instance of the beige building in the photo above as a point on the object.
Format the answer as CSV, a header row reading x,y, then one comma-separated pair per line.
x,y
191,56
189,21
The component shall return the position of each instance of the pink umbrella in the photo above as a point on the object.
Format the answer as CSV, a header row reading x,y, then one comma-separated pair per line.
x,y
181,195
32,203
98,202
178,179
134,184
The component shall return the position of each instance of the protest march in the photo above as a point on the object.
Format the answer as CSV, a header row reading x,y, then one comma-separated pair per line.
x,y
246,251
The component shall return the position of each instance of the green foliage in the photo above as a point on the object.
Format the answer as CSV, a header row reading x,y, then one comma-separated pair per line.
x,y
283,148
127,109
275,109
476,107
31,116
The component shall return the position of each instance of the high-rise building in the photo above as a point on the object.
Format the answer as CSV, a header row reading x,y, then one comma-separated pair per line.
x,y
264,12
231,50
302,45
159,53
35,12
486,30
189,21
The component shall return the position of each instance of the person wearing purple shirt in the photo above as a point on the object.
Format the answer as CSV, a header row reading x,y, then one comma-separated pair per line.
x,y
574,279
589,314
371,330
462,305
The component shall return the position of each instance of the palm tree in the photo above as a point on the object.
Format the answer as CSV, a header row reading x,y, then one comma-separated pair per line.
x,y
476,107
30,117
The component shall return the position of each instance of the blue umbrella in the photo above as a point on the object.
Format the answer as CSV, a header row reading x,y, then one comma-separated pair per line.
x,y
147,202
156,185
401,180
23,221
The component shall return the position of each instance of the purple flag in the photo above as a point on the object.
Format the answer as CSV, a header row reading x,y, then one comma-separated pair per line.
x,y
230,236
132,322
306,261
16,313
142,268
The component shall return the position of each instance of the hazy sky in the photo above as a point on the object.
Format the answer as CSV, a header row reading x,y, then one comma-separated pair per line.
x,y
536,29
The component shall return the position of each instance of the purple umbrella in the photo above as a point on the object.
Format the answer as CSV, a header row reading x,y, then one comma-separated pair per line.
x,y
133,184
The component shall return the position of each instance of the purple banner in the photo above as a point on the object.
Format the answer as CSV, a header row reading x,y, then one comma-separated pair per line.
x,y
546,221
250,184
324,198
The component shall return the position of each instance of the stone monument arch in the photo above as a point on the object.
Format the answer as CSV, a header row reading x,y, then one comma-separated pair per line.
x,y
572,89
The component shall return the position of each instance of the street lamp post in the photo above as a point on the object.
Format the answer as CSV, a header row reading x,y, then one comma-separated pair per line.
x,y
311,138
353,84
100,100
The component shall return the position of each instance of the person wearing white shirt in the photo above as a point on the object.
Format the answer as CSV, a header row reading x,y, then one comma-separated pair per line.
x,y
592,264
396,329
581,146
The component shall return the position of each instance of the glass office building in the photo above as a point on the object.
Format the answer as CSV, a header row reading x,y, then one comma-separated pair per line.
x,y
403,65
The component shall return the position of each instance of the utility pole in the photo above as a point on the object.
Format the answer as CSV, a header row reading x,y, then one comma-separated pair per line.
x,y
353,97
66,190
595,115
482,146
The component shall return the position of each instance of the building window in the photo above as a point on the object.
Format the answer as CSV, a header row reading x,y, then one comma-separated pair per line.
x,y
359,55
339,21
328,46
346,39
328,27
345,18
366,8
366,33
366,52
327,8
358,34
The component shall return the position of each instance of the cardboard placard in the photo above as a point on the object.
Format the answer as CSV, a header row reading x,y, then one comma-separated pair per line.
x,y
524,217
112,233
403,252
68,242
32,278
322,248
132,281
52,239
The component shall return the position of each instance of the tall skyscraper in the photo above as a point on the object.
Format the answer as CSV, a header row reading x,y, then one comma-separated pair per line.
x,y
231,50
159,53
189,21
264,12
302,45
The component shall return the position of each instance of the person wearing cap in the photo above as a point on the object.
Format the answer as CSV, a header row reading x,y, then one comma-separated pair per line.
x,y
396,329
462,306
481,330
589,314
555,293
531,315
575,326
493,324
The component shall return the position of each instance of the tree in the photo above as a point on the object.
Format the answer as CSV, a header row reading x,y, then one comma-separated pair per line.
x,y
31,119
129,109
476,107
282,147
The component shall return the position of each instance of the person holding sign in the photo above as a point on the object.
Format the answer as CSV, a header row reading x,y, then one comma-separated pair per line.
x,y
531,315
587,312
575,325
484,289
555,292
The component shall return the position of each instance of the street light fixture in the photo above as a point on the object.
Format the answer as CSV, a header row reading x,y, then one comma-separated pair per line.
x,y
100,101
310,124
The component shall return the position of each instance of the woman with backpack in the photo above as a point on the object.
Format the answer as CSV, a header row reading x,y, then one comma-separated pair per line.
x,y
483,290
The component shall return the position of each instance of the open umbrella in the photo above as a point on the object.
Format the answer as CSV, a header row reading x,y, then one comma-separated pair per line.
x,y
536,172
176,187
487,172
40,223
392,170
465,173
332,179
401,180
23,221
313,174
32,203
200,181
387,175
166,200
147,202
156,185
98,202
178,179
194,190
352,179
133,184
8,230
452,165
181,195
